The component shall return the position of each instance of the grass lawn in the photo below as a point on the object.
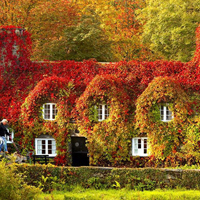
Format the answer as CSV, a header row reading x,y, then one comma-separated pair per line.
x,y
123,194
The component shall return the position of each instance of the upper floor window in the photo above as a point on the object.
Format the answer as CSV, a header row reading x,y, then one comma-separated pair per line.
x,y
139,146
165,113
103,112
45,146
49,111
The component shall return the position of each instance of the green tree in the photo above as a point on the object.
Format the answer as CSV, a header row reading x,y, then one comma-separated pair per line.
x,y
169,27
84,41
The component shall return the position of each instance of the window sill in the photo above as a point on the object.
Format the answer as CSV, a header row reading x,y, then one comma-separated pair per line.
x,y
166,120
48,155
140,155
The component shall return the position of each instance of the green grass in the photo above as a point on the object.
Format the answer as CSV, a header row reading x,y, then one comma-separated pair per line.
x,y
123,194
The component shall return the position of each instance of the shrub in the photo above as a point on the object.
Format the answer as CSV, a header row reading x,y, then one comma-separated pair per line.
x,y
51,177
12,186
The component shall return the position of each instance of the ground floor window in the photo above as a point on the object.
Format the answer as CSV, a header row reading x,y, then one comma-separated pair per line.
x,y
9,138
45,146
139,146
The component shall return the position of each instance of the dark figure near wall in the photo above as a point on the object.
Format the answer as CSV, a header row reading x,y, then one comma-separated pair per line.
x,y
3,133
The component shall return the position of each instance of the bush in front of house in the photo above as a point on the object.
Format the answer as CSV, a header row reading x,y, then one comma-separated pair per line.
x,y
50,177
12,185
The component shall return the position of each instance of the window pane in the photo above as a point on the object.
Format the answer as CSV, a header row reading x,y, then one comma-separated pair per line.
x,y
145,146
169,114
46,111
162,112
46,146
139,144
106,111
136,146
54,113
136,151
50,111
49,143
103,112
53,146
43,147
39,147
165,113
49,147
100,116
169,118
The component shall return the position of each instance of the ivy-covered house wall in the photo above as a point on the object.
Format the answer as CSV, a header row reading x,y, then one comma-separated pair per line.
x,y
132,113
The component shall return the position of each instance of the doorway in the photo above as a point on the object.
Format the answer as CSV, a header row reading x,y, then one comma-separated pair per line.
x,y
79,151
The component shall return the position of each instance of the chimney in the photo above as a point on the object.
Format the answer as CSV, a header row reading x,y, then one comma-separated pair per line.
x,y
14,46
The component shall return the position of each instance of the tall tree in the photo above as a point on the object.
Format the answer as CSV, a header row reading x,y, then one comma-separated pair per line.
x,y
84,41
128,30
169,27
51,19
16,12
119,20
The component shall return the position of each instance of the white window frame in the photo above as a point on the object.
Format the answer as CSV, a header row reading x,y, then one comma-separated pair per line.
x,y
103,112
8,137
140,146
51,111
9,141
38,149
167,115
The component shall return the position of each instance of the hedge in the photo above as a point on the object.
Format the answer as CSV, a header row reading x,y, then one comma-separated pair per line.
x,y
50,177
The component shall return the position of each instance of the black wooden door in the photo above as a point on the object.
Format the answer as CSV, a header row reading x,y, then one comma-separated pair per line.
x,y
79,152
